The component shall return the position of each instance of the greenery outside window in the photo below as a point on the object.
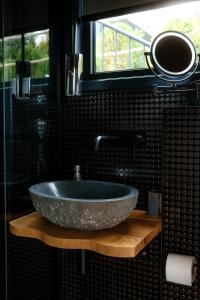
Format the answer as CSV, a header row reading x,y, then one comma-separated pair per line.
x,y
12,51
33,46
119,43
37,52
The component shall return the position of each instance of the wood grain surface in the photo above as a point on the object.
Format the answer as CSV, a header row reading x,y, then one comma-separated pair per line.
x,y
124,240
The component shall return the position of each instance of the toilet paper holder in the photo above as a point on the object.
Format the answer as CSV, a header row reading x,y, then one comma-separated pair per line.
x,y
181,269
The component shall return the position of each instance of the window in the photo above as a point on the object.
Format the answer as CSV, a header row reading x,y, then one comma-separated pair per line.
x,y
37,52
33,46
120,42
12,51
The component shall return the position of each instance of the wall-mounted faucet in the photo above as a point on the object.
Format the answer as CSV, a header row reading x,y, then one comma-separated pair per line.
x,y
100,138
122,138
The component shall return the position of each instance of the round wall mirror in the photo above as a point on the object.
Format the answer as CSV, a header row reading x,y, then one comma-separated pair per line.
x,y
173,55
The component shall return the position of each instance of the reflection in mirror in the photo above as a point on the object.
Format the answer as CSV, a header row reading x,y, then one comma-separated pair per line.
x,y
173,56
26,56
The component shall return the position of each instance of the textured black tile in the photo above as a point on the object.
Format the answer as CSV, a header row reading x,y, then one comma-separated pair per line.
x,y
97,283
2,260
99,113
32,270
111,278
85,117
181,177
30,157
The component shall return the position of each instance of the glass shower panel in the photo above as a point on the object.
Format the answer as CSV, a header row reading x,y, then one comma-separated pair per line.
x,y
3,236
12,53
37,52
27,143
26,91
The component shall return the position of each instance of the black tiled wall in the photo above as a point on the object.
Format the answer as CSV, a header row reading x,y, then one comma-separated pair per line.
x,y
31,157
111,278
100,113
30,147
2,260
141,278
32,270
181,178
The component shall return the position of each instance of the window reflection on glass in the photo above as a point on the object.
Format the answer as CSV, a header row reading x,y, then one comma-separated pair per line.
x,y
37,52
12,52
1,60
122,41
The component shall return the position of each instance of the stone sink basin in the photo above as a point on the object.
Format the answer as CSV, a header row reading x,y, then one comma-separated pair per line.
x,y
84,205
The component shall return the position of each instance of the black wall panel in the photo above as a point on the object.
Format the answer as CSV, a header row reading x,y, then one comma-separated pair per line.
x,y
181,178
111,278
101,113
2,260
25,16
31,154
172,137
32,270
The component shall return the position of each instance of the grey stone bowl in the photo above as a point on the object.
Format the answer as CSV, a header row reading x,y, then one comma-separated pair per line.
x,y
84,205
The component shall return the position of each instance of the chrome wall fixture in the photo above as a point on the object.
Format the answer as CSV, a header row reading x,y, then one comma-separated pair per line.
x,y
73,71
22,83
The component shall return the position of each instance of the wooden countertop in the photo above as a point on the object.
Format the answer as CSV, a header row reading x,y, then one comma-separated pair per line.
x,y
124,240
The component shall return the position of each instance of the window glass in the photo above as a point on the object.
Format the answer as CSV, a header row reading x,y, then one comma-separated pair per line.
x,y
37,52
12,53
122,41
1,60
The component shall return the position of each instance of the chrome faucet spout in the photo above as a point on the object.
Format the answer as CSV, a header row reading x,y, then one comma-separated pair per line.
x,y
77,173
101,138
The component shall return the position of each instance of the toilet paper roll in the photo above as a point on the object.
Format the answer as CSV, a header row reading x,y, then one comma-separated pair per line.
x,y
181,269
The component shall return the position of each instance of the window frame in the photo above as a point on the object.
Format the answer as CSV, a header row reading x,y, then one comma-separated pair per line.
x,y
122,79
89,37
